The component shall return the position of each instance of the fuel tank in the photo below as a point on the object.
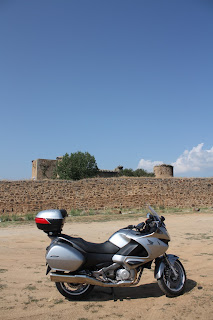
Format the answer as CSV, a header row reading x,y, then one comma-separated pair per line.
x,y
120,238
63,257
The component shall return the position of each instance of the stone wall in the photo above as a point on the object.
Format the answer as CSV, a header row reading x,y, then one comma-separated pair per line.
x,y
43,169
99,193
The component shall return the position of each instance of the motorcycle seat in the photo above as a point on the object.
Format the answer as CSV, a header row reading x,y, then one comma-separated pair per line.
x,y
90,247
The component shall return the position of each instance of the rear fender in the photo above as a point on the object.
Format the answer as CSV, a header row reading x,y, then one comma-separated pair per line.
x,y
160,264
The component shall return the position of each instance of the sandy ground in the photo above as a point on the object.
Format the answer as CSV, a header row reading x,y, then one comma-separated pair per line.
x,y
26,293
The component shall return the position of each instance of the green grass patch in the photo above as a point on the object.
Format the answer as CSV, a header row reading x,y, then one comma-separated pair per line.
x,y
30,300
76,212
3,286
30,216
58,301
30,287
102,215
16,219
198,236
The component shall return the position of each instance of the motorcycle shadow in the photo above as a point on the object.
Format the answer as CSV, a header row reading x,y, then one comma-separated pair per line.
x,y
126,293
190,285
144,291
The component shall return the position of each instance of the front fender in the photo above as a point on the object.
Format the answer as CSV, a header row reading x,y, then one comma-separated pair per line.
x,y
160,264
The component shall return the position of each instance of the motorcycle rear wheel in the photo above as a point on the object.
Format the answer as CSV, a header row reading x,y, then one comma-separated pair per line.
x,y
74,291
168,284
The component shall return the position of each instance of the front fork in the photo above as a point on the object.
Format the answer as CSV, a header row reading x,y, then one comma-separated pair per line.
x,y
162,262
171,265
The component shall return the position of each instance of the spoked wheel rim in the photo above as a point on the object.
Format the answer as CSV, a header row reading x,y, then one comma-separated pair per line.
x,y
74,288
173,283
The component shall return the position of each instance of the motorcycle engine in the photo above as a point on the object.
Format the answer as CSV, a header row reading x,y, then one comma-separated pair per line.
x,y
123,274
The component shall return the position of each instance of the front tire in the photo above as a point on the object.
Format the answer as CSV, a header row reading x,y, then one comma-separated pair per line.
x,y
169,284
74,291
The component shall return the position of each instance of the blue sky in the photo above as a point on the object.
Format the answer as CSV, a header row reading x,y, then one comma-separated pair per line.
x,y
130,82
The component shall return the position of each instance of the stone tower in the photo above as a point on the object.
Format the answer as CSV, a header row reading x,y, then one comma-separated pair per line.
x,y
163,171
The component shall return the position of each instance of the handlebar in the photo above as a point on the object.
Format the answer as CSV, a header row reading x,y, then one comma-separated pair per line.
x,y
147,225
140,226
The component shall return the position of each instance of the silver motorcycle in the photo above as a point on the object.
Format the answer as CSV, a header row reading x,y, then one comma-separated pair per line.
x,y
77,265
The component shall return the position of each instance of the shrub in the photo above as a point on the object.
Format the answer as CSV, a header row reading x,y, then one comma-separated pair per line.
x,y
77,166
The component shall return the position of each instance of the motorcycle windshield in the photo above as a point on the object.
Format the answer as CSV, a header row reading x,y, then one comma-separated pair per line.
x,y
154,213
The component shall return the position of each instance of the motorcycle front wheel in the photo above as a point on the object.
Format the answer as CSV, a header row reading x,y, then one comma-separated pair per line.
x,y
74,291
173,286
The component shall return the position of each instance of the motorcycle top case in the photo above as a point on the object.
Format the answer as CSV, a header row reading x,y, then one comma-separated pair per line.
x,y
51,221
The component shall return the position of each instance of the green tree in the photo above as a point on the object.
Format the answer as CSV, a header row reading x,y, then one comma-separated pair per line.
x,y
143,173
127,172
136,173
77,166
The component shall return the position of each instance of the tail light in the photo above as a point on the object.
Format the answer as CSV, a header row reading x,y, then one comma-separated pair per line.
x,y
42,221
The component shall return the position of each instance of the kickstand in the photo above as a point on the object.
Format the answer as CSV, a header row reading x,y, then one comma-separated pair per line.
x,y
113,293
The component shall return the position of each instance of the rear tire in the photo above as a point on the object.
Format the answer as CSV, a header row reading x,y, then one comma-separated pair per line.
x,y
74,291
169,285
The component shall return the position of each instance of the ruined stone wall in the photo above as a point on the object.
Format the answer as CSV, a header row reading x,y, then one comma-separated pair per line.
x,y
99,193
43,169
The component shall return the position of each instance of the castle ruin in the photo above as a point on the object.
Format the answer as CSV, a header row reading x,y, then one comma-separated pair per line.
x,y
43,169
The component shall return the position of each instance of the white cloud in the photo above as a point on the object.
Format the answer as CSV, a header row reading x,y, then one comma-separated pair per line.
x,y
195,160
148,165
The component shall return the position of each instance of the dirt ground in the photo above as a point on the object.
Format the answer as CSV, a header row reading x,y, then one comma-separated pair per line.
x,y
27,293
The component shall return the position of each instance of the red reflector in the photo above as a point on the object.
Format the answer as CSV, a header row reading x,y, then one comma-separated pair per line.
x,y
42,221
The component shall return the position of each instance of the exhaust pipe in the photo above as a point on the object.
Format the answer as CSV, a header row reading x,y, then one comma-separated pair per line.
x,y
57,277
